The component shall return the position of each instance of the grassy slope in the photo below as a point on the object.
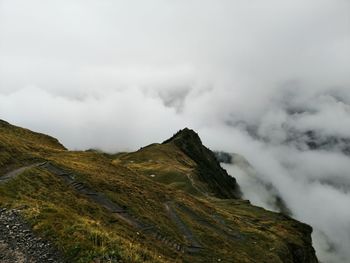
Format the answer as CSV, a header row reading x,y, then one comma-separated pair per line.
x,y
85,231
19,146
166,164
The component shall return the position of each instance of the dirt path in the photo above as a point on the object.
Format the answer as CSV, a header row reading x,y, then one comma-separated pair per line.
x,y
187,233
218,227
16,172
119,211
193,183
99,198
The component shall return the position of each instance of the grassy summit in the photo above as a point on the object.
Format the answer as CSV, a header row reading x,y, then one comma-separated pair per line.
x,y
183,162
178,204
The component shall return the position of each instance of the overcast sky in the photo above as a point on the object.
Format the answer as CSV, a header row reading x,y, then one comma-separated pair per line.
x,y
249,76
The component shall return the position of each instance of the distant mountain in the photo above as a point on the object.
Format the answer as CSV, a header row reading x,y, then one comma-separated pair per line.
x,y
169,202
315,141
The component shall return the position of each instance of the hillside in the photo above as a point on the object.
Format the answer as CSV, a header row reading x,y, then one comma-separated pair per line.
x,y
183,162
169,202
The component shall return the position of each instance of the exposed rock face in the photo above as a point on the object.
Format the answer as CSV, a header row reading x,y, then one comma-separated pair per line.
x,y
209,170
118,196
303,253
19,244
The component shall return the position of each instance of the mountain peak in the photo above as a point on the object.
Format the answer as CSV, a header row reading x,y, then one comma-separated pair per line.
x,y
185,135
220,183
161,192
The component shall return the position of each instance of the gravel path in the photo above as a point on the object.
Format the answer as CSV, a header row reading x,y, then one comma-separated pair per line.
x,y
19,244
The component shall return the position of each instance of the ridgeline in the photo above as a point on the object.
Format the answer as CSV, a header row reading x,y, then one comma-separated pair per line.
x,y
168,202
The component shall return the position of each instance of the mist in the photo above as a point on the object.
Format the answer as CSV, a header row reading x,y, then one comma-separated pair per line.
x,y
268,80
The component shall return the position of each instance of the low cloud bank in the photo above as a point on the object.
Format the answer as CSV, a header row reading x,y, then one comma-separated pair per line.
x,y
299,149
266,79
303,154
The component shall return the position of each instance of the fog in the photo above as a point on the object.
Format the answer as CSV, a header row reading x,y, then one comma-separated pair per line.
x,y
266,79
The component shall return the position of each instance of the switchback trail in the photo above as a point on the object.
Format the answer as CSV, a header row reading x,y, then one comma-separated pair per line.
x,y
118,211
187,233
218,227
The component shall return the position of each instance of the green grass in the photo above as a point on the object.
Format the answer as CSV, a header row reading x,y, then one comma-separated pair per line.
x,y
84,231
166,164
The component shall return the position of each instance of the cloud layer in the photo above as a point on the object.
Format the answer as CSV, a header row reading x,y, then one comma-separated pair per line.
x,y
267,79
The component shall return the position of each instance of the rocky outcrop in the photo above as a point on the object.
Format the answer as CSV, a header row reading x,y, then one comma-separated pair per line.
x,y
121,203
304,253
19,244
209,170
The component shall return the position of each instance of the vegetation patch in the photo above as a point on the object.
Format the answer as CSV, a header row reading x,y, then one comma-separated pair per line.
x,y
85,231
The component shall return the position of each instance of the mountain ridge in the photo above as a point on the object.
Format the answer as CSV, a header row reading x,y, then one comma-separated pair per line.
x,y
82,202
209,170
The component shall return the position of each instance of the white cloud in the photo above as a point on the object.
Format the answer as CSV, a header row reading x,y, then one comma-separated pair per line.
x,y
251,76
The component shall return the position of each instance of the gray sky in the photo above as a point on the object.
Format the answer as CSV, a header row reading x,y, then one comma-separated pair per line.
x,y
249,76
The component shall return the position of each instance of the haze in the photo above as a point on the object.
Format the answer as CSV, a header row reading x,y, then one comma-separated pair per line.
x,y
250,76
